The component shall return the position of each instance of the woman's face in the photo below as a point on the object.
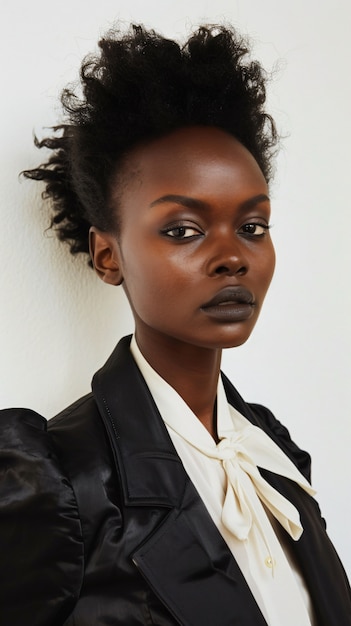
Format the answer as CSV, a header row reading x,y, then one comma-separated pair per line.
x,y
194,250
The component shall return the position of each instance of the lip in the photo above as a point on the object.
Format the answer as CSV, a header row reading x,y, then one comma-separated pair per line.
x,y
231,304
230,295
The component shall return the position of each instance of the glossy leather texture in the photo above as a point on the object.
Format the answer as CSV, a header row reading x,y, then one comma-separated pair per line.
x,y
101,526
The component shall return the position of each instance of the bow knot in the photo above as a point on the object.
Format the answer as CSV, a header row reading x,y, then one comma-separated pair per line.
x,y
228,449
241,453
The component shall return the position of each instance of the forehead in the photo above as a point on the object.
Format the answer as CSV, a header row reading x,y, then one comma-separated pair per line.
x,y
195,160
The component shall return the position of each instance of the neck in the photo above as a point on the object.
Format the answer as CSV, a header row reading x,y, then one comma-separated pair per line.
x,y
191,370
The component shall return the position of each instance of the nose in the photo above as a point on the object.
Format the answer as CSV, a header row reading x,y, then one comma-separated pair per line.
x,y
227,256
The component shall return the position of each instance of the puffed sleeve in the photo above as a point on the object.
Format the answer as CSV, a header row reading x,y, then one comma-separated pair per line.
x,y
41,547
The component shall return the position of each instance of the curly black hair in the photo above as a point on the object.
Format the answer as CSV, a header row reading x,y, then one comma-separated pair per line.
x,y
142,86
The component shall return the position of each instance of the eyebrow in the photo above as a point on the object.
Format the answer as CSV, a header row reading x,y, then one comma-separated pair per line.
x,y
191,203
194,203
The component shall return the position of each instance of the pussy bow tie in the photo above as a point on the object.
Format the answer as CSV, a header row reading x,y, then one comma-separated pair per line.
x,y
241,453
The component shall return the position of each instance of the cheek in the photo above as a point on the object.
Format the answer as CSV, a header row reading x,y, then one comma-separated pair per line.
x,y
264,267
271,258
154,268
270,265
149,282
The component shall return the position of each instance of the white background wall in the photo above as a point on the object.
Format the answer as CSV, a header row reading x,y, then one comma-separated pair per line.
x,y
58,322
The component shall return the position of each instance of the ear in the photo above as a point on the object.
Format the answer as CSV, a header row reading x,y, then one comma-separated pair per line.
x,y
105,255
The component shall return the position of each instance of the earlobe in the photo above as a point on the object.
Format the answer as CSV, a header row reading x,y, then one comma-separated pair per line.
x,y
105,255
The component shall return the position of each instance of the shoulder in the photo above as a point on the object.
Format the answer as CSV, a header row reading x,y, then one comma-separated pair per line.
x,y
40,533
282,437
264,418
75,420
79,437
24,428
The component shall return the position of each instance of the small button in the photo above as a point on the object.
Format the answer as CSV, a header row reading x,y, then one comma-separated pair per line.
x,y
270,562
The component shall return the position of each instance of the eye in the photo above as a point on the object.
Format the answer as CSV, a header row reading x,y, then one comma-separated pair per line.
x,y
253,229
181,232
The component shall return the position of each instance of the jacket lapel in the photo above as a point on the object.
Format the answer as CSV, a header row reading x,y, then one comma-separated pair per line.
x,y
150,470
190,568
183,557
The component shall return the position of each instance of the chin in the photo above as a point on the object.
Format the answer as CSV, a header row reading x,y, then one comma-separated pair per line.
x,y
234,344
228,342
234,340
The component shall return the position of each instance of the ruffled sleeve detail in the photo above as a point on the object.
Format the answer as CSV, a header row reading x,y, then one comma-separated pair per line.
x,y
41,547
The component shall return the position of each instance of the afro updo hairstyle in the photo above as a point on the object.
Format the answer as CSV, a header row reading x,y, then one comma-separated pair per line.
x,y
143,86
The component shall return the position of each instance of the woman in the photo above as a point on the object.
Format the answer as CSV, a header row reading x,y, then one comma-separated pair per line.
x,y
143,503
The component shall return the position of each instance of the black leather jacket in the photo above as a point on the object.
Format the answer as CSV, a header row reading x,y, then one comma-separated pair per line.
x,y
100,525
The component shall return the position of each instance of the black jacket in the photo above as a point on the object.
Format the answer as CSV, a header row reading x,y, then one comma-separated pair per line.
x,y
100,524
